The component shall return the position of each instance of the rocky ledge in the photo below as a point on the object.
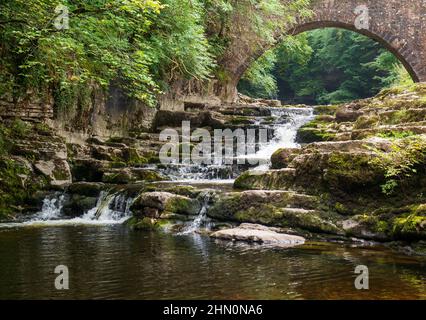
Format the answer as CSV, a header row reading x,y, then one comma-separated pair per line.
x,y
364,163
254,233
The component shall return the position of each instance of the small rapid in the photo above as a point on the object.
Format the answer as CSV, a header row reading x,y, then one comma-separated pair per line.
x,y
201,221
114,207
285,126
111,208
282,127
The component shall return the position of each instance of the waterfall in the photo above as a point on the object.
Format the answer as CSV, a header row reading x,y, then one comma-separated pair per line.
x,y
281,133
289,121
52,208
110,209
201,219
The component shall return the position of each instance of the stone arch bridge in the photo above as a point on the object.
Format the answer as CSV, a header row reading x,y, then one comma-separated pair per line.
x,y
399,25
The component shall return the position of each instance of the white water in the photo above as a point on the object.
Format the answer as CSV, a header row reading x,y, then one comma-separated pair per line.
x,y
110,209
285,133
114,208
201,220
287,122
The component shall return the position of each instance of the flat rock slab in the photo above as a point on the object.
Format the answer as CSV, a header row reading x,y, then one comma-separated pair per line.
x,y
254,233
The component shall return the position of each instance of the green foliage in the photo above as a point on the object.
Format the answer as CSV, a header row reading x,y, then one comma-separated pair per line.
x,y
396,134
259,80
143,44
325,66
402,163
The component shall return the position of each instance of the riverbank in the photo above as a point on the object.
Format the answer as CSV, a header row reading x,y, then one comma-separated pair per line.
x,y
363,180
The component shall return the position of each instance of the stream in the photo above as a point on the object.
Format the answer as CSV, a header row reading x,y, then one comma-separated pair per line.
x,y
107,260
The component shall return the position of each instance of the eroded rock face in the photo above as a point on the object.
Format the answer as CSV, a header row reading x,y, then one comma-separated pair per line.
x,y
57,171
254,233
363,152
275,208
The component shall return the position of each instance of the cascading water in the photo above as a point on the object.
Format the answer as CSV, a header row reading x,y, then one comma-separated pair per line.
x,y
288,122
284,127
52,207
201,220
113,208
110,209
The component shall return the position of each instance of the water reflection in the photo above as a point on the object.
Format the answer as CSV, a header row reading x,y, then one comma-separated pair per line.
x,y
110,262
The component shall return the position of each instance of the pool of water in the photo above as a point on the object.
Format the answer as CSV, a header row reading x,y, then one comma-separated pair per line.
x,y
113,262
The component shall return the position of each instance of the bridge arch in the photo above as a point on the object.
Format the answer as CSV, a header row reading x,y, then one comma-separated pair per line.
x,y
397,46
400,26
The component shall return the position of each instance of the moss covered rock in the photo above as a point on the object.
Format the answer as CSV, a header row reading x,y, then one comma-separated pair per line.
x,y
265,180
284,209
88,189
283,157
165,202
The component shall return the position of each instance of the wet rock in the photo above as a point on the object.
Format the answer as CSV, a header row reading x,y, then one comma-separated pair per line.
x,y
88,189
57,171
266,180
283,157
173,119
309,135
145,223
275,208
88,169
118,177
254,233
165,202
142,174
77,205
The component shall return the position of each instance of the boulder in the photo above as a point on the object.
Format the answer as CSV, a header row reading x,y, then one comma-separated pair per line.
x,y
254,233
88,189
57,171
283,157
77,205
346,114
275,208
164,202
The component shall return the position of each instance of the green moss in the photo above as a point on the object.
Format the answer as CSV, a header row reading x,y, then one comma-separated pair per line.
x,y
116,178
341,208
411,226
351,172
17,186
20,128
133,158
240,120
315,131
183,205
147,224
326,110
419,88
270,180
395,134
402,164
366,122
